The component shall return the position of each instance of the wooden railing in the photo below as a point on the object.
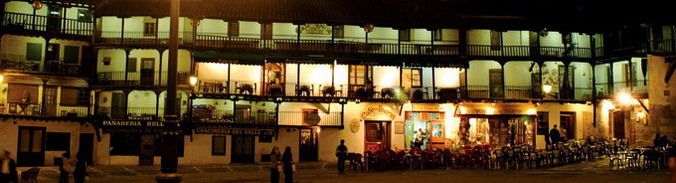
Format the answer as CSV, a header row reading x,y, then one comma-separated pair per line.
x,y
19,21
139,78
21,63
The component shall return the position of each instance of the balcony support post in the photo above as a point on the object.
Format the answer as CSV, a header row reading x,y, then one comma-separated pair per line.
x,y
631,78
434,84
434,32
342,116
45,59
125,108
157,32
122,32
543,94
298,93
298,38
593,74
126,66
43,104
398,43
227,85
157,103
592,46
462,42
33,18
502,69
63,20
159,78
264,84
611,83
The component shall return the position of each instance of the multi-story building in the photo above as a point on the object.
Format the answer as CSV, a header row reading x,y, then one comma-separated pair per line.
x,y
253,75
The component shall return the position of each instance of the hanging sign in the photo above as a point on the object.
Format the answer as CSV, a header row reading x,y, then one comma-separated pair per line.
x,y
233,131
140,126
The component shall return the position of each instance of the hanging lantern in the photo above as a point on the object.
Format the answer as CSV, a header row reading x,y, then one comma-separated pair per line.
x,y
547,88
368,28
37,4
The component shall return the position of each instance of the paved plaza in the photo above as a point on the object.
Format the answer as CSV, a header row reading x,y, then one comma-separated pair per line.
x,y
596,172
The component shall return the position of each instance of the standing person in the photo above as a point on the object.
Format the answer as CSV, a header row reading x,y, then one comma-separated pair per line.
x,y
341,153
564,135
8,171
657,141
80,171
554,135
287,160
275,161
65,167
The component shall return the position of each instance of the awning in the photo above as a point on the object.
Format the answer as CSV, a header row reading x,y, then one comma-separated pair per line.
x,y
229,58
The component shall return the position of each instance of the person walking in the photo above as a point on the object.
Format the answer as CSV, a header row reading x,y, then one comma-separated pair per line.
x,y
287,160
65,167
341,153
8,171
555,135
275,163
80,171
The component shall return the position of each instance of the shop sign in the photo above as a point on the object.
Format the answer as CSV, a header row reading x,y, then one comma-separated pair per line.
x,y
373,111
233,131
425,107
139,126
497,110
312,119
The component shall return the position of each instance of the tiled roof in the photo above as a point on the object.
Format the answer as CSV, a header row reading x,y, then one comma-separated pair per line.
x,y
578,14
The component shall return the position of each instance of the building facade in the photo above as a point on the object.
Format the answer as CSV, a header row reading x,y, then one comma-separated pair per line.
x,y
91,77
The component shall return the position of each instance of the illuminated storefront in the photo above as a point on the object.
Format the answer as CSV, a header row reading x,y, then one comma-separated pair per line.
x,y
497,125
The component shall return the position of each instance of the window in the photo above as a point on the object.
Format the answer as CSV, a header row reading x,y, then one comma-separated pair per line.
x,y
338,31
125,144
233,29
360,75
58,141
71,54
74,97
84,15
412,78
266,31
543,123
496,40
437,35
149,27
22,94
106,60
34,51
405,35
218,145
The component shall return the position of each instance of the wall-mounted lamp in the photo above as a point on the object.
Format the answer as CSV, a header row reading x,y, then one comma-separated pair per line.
x,y
37,4
193,80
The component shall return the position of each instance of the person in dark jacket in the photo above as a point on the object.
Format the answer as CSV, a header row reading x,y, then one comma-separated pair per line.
x,y
287,160
275,160
65,167
8,171
80,171
341,154
555,135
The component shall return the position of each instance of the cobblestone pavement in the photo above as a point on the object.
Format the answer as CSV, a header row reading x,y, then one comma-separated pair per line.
x,y
595,172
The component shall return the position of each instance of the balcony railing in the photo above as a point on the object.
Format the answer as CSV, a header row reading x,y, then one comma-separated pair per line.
x,y
136,113
47,111
295,118
139,78
218,116
528,51
605,90
21,63
19,21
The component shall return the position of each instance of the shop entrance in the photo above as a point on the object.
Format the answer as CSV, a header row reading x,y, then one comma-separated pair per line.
x,y
423,129
243,149
377,135
309,145
497,131
618,124
31,146
87,147
567,121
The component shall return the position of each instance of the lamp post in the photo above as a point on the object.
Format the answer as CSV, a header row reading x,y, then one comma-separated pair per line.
x,y
169,161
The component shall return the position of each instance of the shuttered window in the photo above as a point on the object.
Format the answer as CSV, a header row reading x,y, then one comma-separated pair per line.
x,y
33,51
71,54
233,29
21,94
74,97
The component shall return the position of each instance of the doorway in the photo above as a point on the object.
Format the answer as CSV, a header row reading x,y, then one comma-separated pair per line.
x,y
309,145
618,125
31,146
243,149
147,156
118,105
147,71
495,83
377,135
54,18
50,101
86,149
567,120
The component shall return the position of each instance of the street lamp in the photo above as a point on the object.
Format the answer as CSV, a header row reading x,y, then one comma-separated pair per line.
x,y
193,80
547,88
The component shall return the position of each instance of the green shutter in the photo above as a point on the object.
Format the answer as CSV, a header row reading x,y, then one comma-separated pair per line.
x,y
34,51
71,54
